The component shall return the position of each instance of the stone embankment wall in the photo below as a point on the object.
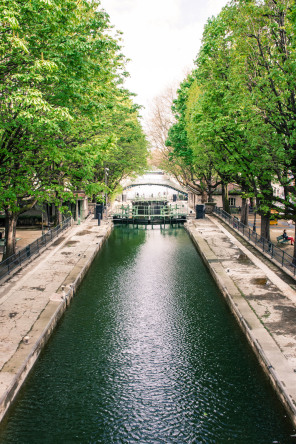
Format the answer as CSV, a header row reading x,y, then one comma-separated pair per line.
x,y
34,300
262,303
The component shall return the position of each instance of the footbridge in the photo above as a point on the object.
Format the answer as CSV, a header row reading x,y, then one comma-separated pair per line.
x,y
149,205
155,178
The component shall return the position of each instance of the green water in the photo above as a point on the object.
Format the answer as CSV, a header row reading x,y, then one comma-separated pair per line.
x,y
148,352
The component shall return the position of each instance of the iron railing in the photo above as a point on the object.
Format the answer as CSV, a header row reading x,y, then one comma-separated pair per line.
x,y
280,256
22,256
147,211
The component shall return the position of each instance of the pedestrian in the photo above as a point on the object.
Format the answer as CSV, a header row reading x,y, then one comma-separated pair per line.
x,y
285,236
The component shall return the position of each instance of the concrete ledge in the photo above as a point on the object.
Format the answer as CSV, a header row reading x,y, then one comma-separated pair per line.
x,y
280,372
16,369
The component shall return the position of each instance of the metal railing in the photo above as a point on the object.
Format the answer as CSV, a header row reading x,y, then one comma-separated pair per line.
x,y
150,212
284,259
22,256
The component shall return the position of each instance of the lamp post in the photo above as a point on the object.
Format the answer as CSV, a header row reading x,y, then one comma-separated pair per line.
x,y
106,195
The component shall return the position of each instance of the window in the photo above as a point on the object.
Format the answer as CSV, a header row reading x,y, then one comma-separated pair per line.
x,y
232,201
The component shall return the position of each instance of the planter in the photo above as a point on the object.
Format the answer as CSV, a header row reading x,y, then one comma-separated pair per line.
x,y
210,207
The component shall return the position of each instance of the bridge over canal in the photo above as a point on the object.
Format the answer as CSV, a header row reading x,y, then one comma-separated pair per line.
x,y
158,179
148,205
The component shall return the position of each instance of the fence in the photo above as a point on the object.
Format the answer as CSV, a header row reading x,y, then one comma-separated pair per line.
x,y
280,256
22,256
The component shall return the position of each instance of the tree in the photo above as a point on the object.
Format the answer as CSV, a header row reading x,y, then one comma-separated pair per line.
x,y
126,153
225,122
267,38
157,127
61,78
197,175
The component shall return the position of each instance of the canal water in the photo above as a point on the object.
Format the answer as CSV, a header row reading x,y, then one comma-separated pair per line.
x,y
148,352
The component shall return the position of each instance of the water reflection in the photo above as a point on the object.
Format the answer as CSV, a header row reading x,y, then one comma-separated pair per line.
x,y
148,352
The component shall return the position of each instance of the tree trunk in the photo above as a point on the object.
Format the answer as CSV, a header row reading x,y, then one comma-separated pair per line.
x,y
225,200
10,234
210,194
294,252
265,226
58,214
267,192
245,212
204,196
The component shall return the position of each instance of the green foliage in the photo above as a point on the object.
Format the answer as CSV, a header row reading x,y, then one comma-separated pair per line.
x,y
64,114
236,111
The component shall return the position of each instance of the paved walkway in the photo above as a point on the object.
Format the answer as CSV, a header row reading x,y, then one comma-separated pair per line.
x,y
32,301
264,304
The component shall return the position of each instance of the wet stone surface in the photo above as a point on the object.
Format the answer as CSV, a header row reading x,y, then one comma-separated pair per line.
x,y
28,293
149,352
243,259
58,241
265,291
260,280
83,233
71,243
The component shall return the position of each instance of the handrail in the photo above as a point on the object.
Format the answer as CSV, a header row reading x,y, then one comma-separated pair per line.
x,y
22,256
284,259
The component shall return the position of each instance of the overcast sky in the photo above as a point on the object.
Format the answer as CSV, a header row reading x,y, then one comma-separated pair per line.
x,y
162,38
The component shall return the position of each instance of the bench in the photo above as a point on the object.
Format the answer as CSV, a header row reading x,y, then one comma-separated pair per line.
x,y
281,239
3,241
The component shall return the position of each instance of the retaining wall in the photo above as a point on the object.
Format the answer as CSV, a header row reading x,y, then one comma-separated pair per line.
x,y
18,367
257,336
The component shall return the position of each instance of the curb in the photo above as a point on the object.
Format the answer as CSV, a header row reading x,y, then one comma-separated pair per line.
x,y
236,301
47,320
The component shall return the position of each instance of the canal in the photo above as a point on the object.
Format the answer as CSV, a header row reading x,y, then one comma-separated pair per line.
x,y
148,352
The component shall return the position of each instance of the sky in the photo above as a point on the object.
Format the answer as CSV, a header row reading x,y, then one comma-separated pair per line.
x,y
162,39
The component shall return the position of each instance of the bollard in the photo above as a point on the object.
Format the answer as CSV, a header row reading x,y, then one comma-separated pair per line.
x,y
99,218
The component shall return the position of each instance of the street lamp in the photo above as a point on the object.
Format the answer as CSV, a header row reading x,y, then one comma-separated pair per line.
x,y
106,195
